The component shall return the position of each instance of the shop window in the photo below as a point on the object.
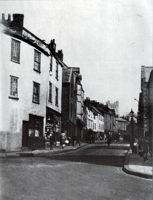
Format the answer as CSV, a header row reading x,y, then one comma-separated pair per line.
x,y
35,126
15,51
36,92
37,60
13,87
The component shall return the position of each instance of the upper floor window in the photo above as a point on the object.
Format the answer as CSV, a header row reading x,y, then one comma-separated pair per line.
x,y
56,96
36,92
15,51
13,87
50,92
57,70
51,63
37,60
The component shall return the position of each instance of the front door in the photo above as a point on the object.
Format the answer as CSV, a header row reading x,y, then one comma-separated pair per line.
x,y
25,132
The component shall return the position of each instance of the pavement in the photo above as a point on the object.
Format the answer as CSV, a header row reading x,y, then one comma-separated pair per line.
x,y
28,153
135,165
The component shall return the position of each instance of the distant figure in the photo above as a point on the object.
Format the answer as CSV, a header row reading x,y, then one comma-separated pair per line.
x,y
145,146
52,140
105,137
62,139
73,138
140,148
108,140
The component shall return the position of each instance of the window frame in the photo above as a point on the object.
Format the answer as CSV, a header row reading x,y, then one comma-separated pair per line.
x,y
14,58
36,93
37,63
11,96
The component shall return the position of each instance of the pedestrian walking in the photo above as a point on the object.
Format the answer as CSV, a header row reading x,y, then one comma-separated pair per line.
x,y
140,146
145,149
51,140
108,140
62,139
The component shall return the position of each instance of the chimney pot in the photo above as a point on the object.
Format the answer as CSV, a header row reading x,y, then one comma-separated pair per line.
x,y
9,17
52,45
3,17
60,54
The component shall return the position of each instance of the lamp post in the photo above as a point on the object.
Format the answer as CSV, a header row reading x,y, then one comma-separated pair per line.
x,y
132,130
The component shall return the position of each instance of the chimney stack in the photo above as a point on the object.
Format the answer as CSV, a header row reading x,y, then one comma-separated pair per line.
x,y
52,46
60,54
17,22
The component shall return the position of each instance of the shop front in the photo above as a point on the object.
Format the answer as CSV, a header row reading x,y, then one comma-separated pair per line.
x,y
32,133
53,124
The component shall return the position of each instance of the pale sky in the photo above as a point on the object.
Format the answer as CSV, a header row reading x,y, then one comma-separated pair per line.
x,y
108,39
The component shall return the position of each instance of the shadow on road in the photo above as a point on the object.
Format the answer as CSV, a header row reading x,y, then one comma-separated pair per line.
x,y
117,161
112,146
98,160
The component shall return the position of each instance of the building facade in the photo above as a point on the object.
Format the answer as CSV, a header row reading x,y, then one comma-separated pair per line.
x,y
150,101
28,89
121,126
143,109
114,106
69,101
80,107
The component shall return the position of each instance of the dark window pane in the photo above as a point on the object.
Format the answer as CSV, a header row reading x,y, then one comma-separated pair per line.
x,y
37,60
15,51
50,92
14,86
56,97
57,70
36,91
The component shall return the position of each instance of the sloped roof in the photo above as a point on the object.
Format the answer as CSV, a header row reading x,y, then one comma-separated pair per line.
x,y
95,110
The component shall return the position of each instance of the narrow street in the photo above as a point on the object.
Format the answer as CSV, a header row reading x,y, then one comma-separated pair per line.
x,y
93,172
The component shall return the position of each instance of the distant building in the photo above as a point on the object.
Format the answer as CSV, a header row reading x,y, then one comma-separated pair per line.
x,y
31,86
121,126
150,102
98,123
95,122
114,106
69,101
73,113
109,120
80,106
90,118
105,117
144,97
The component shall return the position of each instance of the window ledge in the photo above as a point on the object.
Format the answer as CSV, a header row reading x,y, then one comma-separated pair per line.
x,y
35,102
15,61
12,97
36,70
